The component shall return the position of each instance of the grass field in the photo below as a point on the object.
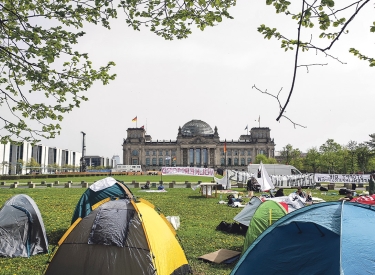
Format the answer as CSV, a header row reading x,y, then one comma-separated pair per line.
x,y
199,217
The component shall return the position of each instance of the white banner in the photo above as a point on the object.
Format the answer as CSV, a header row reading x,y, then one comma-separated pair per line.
x,y
191,171
342,178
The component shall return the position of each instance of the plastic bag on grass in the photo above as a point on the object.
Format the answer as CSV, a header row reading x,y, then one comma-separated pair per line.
x,y
175,221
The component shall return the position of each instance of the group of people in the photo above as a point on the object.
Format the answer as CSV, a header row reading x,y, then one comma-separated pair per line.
x,y
305,196
253,185
147,186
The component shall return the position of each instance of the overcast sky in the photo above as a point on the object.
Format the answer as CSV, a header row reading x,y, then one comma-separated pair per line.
x,y
209,77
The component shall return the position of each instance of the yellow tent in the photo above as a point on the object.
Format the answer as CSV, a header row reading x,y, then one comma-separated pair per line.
x,y
120,237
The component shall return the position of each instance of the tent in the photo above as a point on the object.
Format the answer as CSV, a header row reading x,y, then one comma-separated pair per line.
x,y
22,232
264,179
120,237
265,215
326,238
100,191
245,216
292,200
224,181
365,199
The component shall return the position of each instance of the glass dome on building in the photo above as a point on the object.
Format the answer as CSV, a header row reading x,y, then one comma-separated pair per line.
x,y
196,127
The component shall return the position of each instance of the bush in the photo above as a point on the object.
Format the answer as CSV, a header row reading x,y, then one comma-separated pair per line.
x,y
10,177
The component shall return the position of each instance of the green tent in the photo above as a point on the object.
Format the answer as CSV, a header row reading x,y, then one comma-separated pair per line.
x,y
266,214
104,189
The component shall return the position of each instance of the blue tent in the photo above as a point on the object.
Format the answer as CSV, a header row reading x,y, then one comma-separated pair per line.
x,y
325,238
107,188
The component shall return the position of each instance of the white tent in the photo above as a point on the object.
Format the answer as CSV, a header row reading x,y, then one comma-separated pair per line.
x,y
264,180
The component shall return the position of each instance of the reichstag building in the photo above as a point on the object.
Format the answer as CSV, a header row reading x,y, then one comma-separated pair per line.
x,y
197,145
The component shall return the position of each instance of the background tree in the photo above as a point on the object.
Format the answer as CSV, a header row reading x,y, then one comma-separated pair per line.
x,y
261,158
371,143
68,167
53,167
291,156
312,160
296,160
286,154
364,155
272,161
264,159
329,155
38,60
352,150
327,19
343,160
19,166
371,165
33,165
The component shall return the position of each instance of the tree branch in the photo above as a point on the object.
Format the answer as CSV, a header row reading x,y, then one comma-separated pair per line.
x,y
295,63
280,106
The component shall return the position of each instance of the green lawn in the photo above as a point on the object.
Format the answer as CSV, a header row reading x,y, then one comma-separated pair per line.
x,y
199,217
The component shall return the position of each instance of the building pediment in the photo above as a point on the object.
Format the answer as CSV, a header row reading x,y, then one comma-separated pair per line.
x,y
196,140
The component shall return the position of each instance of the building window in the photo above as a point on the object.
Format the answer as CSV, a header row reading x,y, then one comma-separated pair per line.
x,y
235,161
160,152
160,161
147,161
242,152
154,161
135,152
154,153
167,162
248,160
222,152
229,153
262,152
205,156
191,157
235,152
229,161
147,152
249,152
222,161
242,161
198,157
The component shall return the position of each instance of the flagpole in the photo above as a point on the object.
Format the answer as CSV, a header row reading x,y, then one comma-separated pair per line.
x,y
226,170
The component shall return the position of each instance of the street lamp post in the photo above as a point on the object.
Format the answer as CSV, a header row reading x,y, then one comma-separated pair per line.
x,y
83,163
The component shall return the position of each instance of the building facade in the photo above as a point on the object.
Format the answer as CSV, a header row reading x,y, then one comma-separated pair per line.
x,y
14,158
115,160
197,145
95,161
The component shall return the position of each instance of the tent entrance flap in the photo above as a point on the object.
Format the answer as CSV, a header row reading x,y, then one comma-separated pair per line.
x,y
106,219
